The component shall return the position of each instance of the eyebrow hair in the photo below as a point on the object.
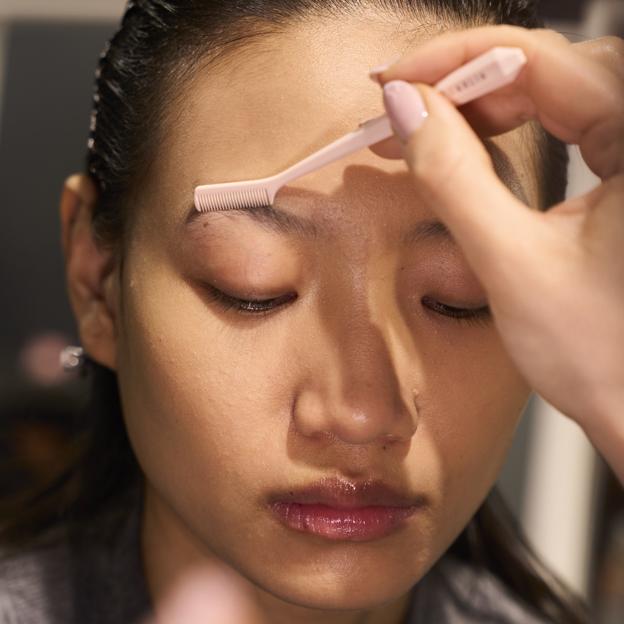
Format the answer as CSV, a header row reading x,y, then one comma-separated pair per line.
x,y
268,216
286,223
505,170
303,227
430,229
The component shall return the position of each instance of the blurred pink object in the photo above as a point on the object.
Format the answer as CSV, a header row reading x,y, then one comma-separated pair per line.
x,y
206,596
39,358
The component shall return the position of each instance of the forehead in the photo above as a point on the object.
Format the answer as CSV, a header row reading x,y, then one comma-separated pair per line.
x,y
280,97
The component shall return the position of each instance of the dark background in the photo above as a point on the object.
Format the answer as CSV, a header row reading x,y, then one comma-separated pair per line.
x,y
45,119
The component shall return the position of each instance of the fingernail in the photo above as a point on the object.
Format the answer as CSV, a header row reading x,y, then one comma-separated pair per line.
x,y
405,107
373,72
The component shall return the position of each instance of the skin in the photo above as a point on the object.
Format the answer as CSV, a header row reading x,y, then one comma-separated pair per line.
x,y
356,378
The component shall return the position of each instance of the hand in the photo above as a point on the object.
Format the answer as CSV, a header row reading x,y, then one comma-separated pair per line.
x,y
555,279
204,596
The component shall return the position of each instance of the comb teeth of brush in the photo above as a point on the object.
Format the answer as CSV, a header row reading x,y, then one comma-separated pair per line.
x,y
231,200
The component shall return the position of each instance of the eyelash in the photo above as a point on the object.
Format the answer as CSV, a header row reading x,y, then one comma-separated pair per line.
x,y
262,307
474,316
256,307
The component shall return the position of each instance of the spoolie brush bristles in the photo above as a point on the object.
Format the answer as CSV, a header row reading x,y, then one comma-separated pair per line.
x,y
213,199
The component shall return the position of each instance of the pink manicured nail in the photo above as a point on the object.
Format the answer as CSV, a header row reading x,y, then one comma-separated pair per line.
x,y
374,72
405,107
379,68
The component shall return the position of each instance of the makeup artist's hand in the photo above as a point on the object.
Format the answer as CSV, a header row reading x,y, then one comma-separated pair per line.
x,y
206,597
555,280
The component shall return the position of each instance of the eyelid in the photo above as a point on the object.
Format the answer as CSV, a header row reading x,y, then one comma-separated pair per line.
x,y
246,306
478,316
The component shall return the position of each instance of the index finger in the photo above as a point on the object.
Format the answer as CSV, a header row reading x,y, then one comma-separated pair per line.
x,y
574,97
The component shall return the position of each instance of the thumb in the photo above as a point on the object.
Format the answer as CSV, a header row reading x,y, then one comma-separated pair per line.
x,y
454,174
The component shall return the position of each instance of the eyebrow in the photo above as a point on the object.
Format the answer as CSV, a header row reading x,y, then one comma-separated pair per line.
x,y
505,170
286,223
268,216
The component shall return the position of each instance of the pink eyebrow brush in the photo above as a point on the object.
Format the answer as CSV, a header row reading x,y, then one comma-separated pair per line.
x,y
486,73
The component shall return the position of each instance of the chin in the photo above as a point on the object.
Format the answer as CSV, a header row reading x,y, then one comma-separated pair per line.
x,y
344,587
351,597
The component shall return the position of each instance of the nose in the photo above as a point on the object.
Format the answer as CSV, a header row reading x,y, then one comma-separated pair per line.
x,y
354,392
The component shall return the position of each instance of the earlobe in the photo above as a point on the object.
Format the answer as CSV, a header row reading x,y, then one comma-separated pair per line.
x,y
89,268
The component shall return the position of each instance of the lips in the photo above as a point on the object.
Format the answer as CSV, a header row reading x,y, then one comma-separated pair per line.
x,y
343,510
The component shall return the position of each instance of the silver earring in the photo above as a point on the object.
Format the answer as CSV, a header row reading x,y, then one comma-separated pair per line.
x,y
72,358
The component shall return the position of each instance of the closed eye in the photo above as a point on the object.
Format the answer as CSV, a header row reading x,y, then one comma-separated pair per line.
x,y
479,316
248,306
227,302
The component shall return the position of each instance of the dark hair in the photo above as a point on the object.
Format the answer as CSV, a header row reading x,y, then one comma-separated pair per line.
x,y
159,44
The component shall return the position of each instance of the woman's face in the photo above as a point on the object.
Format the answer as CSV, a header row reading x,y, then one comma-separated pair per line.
x,y
356,373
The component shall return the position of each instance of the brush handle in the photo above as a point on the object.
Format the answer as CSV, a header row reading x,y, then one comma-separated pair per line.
x,y
492,70
496,68
369,133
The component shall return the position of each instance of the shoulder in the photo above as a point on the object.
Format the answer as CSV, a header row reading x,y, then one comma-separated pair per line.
x,y
91,572
35,585
455,592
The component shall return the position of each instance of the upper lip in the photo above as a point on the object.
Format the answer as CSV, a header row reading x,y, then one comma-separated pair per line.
x,y
344,494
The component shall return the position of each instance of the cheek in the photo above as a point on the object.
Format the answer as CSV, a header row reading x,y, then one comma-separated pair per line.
x,y
474,399
196,394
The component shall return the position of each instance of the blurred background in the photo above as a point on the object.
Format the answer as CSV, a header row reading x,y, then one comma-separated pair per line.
x,y
568,502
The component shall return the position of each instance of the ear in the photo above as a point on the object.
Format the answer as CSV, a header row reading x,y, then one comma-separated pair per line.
x,y
90,272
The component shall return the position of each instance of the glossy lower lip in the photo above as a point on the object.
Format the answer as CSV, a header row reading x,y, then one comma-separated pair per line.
x,y
358,524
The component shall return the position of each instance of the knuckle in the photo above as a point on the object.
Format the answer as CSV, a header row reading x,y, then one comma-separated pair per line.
x,y
611,52
509,29
608,51
612,45
551,36
516,35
